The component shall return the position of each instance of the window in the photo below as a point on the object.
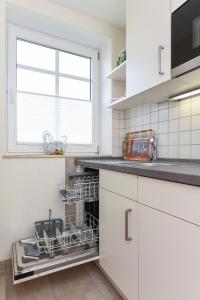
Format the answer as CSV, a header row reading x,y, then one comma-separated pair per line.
x,y
52,85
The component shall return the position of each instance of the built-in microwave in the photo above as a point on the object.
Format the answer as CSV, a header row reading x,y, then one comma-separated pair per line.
x,y
186,38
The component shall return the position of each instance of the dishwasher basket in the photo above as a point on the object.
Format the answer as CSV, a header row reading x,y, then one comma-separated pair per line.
x,y
82,187
52,237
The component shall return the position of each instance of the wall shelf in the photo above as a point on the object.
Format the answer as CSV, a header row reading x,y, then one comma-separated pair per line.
x,y
161,92
119,73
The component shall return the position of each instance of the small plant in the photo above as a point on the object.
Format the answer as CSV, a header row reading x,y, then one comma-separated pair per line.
x,y
122,57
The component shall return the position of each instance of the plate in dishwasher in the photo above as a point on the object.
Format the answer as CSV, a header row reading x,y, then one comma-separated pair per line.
x,y
26,268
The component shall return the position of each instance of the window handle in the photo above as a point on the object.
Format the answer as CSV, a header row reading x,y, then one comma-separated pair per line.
x,y
12,95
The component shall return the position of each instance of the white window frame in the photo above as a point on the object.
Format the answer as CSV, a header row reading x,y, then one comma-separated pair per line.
x,y
16,32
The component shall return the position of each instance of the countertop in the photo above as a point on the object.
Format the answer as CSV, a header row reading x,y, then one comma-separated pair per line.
x,y
186,172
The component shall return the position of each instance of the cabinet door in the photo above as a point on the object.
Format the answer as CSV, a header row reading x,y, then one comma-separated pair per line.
x,y
119,257
176,4
148,37
169,259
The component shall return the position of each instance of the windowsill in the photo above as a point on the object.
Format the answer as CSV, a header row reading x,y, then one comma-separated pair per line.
x,y
41,155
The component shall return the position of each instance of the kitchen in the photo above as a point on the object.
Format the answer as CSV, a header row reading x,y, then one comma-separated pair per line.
x,y
108,204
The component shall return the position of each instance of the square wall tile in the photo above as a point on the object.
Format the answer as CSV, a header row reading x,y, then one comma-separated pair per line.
x,y
163,139
154,117
146,119
154,127
196,122
163,115
127,114
139,110
133,112
116,152
115,132
115,123
115,114
121,124
173,138
121,115
121,133
185,108
185,138
185,151
196,151
173,151
173,112
196,137
163,127
163,152
115,142
146,108
185,124
139,120
173,125
127,123
133,122
196,105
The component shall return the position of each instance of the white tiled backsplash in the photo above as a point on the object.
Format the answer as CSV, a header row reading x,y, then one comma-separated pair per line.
x,y
118,120
176,126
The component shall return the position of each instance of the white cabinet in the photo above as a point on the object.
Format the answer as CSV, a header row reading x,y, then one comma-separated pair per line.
x,y
169,258
162,258
176,4
148,38
118,255
119,183
180,200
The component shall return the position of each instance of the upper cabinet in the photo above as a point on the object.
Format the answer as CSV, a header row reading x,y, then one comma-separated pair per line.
x,y
148,37
176,4
148,63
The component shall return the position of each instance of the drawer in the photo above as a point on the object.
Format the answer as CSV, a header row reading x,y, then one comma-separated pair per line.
x,y
119,183
180,200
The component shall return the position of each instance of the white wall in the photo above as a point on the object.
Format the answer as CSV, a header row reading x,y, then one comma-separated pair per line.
x,y
29,187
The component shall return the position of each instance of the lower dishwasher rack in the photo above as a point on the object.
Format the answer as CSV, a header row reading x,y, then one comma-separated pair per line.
x,y
27,269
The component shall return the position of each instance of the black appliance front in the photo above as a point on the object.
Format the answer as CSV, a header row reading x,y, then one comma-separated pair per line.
x,y
186,38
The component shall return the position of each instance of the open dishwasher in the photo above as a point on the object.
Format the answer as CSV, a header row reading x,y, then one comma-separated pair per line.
x,y
59,244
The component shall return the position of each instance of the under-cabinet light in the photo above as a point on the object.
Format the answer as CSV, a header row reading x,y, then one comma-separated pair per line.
x,y
185,95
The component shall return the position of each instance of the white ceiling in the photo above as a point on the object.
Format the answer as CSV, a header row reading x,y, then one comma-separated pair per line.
x,y
111,11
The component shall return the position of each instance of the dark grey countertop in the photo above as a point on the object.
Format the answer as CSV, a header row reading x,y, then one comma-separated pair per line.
x,y
187,172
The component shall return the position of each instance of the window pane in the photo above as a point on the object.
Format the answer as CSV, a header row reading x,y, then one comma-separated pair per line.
x,y
33,55
29,81
74,65
35,114
76,121
72,88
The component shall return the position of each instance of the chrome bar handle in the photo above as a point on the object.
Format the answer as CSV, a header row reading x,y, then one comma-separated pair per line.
x,y
160,48
127,238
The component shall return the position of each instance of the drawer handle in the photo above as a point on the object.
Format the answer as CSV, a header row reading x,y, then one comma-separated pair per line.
x,y
127,211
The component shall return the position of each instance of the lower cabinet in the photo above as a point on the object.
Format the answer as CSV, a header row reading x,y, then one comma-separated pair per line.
x,y
169,257
150,249
119,241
